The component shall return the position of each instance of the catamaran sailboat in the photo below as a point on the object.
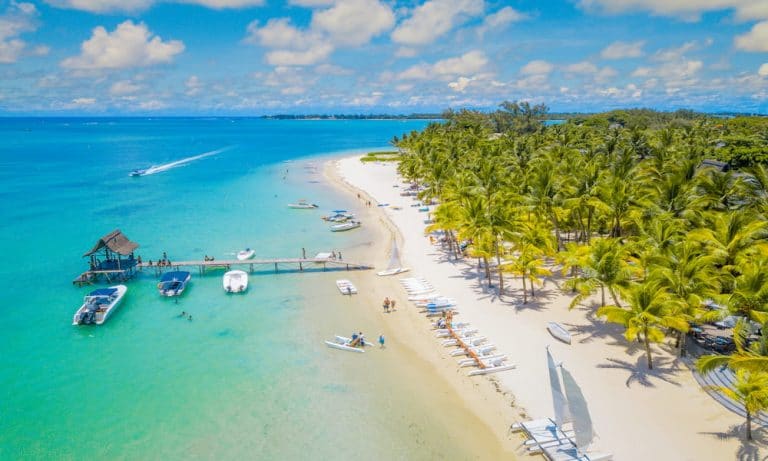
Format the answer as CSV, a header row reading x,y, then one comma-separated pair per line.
x,y
395,266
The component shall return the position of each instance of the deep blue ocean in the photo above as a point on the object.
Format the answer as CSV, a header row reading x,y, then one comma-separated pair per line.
x,y
248,378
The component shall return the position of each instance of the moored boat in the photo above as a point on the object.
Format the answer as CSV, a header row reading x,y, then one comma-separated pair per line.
x,y
559,332
349,225
138,172
346,287
99,305
235,281
245,254
345,344
302,205
173,283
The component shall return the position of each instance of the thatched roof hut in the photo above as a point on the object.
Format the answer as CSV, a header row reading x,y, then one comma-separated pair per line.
x,y
115,242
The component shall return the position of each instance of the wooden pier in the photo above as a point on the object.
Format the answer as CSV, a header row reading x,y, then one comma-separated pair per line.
x,y
300,264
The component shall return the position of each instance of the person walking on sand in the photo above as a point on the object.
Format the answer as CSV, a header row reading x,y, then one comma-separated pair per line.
x,y
392,305
381,341
386,304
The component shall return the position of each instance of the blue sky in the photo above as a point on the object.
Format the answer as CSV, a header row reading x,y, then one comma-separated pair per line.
x,y
254,57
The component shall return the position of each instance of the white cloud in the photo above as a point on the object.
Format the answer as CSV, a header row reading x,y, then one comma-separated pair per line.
x,y
674,54
537,67
106,6
315,54
330,69
279,33
686,9
405,52
583,67
622,50
434,19
193,85
460,84
153,104
129,45
17,19
84,101
763,70
754,40
312,3
123,87
354,22
501,18
467,64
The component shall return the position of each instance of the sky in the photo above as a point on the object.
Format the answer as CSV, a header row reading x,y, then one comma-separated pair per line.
x,y
257,57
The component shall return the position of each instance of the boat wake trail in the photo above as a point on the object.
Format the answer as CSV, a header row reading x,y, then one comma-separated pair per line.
x,y
154,169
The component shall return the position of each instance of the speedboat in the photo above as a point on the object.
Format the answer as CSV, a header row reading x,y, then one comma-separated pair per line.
x,y
345,226
245,254
138,172
302,205
99,305
173,283
235,281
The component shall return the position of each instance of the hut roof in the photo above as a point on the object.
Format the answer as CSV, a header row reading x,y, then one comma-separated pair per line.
x,y
116,242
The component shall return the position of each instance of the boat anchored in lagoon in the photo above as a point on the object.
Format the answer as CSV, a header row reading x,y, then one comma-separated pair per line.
x,y
173,283
302,205
235,281
99,305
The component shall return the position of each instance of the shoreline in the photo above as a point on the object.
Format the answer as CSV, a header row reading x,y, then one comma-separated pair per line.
x,y
480,398
627,402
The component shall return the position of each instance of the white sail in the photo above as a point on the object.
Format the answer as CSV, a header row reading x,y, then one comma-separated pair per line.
x,y
560,404
582,423
394,258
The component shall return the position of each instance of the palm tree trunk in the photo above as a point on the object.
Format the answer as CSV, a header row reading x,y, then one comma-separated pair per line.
x,y
749,425
602,295
533,293
525,291
613,295
589,225
648,349
487,269
498,268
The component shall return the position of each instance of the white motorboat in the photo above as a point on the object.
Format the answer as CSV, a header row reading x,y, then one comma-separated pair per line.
x,y
559,332
245,254
98,305
344,344
346,287
235,281
349,225
302,205
173,283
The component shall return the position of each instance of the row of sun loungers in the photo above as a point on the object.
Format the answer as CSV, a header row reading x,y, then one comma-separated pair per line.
x,y
466,340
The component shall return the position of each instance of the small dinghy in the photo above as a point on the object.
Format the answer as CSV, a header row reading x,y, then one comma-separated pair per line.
x,y
349,225
559,332
245,254
235,281
346,287
302,205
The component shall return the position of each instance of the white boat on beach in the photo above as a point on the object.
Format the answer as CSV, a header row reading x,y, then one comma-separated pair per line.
x,y
486,359
491,369
464,332
245,254
349,225
346,287
559,332
472,341
395,266
344,344
235,281
302,205
484,349
98,305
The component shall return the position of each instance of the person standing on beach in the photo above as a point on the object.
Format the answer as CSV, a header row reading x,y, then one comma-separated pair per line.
x,y
392,305
381,341
386,304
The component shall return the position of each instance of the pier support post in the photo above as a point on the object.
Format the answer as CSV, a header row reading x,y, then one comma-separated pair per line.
x,y
300,267
275,268
251,268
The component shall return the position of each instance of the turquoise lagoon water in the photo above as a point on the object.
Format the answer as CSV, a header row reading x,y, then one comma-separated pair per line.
x,y
246,378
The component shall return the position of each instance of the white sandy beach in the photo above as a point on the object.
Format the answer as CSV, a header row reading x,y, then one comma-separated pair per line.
x,y
638,415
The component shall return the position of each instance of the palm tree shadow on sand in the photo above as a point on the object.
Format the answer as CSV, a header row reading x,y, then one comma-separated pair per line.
x,y
748,450
664,370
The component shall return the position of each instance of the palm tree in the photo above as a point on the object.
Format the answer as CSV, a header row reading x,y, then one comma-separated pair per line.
x,y
605,268
531,243
649,309
749,389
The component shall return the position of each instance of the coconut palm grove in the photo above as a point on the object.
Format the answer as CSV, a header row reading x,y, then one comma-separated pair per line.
x,y
657,220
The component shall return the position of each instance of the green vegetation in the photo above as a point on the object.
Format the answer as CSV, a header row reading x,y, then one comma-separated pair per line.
x,y
656,211
384,156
